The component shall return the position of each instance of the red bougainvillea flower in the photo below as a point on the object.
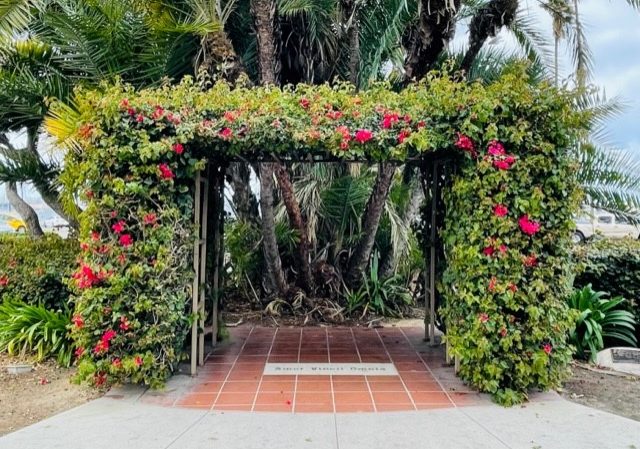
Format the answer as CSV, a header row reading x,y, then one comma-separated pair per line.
x,y
86,277
334,115
421,124
503,332
124,104
77,321
502,248
138,360
84,246
466,144
513,287
389,119
344,145
492,284
95,236
165,171
230,116
117,363
304,102
139,118
314,134
122,259
89,194
495,148
158,113
124,323
528,226
108,335
547,348
86,130
4,280
363,135
344,132
118,227
174,118
99,379
488,251
150,218
226,133
483,317
113,214
78,352
101,347
530,261
178,148
126,240
403,135
500,210
131,112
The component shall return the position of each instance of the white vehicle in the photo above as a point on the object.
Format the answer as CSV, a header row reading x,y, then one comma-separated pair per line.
x,y
604,223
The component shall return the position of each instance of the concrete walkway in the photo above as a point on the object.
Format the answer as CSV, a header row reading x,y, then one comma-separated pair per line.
x,y
122,421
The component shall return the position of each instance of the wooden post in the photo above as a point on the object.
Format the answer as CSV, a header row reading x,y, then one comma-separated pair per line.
x,y
202,234
218,203
432,256
195,294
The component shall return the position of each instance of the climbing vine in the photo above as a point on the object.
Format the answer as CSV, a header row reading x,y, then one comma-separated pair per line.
x,y
133,156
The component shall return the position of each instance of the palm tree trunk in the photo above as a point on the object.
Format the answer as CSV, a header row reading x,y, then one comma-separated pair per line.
x,y
267,37
353,38
369,225
305,281
272,260
25,211
485,23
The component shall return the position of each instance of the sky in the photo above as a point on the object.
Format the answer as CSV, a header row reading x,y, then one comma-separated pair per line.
x,y
613,33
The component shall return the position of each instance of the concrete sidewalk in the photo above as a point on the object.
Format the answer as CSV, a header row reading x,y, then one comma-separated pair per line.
x,y
123,422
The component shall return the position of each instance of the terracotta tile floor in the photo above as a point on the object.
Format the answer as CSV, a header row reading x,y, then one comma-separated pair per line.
x,y
232,377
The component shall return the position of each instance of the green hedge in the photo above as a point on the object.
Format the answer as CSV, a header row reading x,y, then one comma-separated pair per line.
x,y
612,266
36,270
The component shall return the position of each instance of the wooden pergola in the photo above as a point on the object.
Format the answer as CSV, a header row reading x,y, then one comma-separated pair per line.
x,y
435,170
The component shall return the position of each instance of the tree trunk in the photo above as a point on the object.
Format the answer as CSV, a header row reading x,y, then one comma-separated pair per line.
x,y
390,262
486,23
25,211
429,36
267,38
305,281
369,224
245,202
272,259
353,39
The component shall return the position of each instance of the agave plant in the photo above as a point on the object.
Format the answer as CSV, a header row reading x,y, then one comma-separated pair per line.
x,y
35,330
599,318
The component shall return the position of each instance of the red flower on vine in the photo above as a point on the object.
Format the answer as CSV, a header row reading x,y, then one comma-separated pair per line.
x,y
304,102
138,360
547,348
178,148
492,284
403,135
530,261
513,287
421,124
122,259
99,379
344,132
389,119
344,145
226,133
95,236
465,143
4,280
86,277
502,248
101,347
334,115
363,135
157,113
117,363
139,118
108,335
488,251
495,148
78,352
124,104
230,116
165,171
124,323
126,240
118,227
84,246
77,321
500,210
483,317
150,218
528,226
503,332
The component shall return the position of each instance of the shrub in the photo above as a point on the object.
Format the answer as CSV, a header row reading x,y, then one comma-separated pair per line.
x,y
26,328
35,270
611,265
599,318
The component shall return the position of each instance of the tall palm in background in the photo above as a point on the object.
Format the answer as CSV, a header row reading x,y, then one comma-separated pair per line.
x,y
82,42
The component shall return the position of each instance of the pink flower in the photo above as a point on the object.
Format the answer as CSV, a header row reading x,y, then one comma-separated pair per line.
x,y
390,119
495,148
226,133
165,171
492,284
502,248
126,240
465,143
178,148
138,360
483,317
99,379
157,113
108,335
230,116
118,227
304,102
117,363
77,321
528,226
101,347
78,352
503,332
4,280
124,323
84,246
488,251
344,145
363,135
513,287
547,348
139,118
421,124
403,135
344,132
124,104
500,210
334,115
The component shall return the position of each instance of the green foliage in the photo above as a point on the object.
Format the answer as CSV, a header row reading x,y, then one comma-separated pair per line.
x,y
385,297
26,328
599,318
504,290
35,270
611,265
129,168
